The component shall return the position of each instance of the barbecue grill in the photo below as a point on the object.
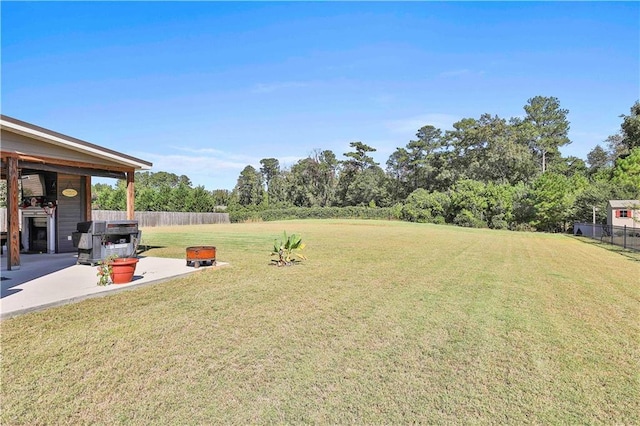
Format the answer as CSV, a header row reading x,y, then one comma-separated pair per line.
x,y
96,240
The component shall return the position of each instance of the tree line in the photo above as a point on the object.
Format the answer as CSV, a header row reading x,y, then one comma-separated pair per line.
x,y
484,172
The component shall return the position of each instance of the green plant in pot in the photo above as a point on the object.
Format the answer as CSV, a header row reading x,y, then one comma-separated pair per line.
x,y
288,250
105,270
116,270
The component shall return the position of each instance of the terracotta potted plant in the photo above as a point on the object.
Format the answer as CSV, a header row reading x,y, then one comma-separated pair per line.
x,y
116,270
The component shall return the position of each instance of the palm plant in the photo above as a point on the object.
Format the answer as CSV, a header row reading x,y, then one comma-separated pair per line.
x,y
287,250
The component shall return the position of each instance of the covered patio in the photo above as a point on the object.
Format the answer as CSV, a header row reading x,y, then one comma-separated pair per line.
x,y
48,177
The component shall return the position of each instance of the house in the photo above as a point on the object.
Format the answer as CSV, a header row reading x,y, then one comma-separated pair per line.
x,y
48,176
623,213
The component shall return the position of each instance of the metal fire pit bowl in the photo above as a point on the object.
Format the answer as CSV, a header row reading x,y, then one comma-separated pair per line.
x,y
201,255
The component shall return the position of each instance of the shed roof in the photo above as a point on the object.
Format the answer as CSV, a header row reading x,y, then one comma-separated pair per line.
x,y
623,204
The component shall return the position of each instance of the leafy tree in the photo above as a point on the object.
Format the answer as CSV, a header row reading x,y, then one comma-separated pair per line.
x,y
554,195
468,203
356,162
220,197
178,198
548,127
627,170
147,199
303,183
199,200
616,147
312,180
420,155
462,145
328,173
488,149
569,166
249,187
598,159
158,179
595,195
398,171
270,168
164,197
500,204
367,188
118,197
504,154
108,197
523,207
278,188
358,159
631,127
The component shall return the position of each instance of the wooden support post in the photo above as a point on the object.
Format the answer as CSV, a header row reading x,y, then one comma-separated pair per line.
x,y
130,195
13,220
87,195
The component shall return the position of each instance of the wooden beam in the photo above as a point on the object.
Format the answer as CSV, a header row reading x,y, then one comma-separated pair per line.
x,y
68,170
13,221
23,157
87,195
130,194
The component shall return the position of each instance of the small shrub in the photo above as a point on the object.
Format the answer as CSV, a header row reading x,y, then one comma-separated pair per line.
x,y
287,250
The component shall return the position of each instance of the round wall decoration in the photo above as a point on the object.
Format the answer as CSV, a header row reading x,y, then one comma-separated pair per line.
x,y
69,192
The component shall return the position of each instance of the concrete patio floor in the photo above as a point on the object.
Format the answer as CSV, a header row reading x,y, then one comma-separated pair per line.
x,y
47,280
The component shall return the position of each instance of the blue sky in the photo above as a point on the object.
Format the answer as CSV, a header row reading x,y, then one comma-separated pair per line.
x,y
205,88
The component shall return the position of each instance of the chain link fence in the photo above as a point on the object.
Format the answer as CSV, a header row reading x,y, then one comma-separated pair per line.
x,y
623,236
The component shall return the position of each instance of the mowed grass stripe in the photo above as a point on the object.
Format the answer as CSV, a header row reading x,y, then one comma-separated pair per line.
x,y
385,323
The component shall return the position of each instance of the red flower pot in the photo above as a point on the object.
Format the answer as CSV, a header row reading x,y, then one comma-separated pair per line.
x,y
122,270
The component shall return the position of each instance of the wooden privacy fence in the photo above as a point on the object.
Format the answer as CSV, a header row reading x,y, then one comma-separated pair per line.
x,y
152,219
148,219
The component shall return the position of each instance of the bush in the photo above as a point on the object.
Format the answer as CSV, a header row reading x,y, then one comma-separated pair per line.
x,y
467,219
439,220
498,222
411,213
523,227
360,212
424,207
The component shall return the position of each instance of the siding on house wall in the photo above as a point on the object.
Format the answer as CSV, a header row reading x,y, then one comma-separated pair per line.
x,y
70,211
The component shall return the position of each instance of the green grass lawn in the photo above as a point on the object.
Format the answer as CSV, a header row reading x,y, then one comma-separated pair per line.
x,y
386,322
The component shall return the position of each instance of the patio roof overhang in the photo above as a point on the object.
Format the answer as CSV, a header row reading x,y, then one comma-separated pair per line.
x,y
26,146
36,146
